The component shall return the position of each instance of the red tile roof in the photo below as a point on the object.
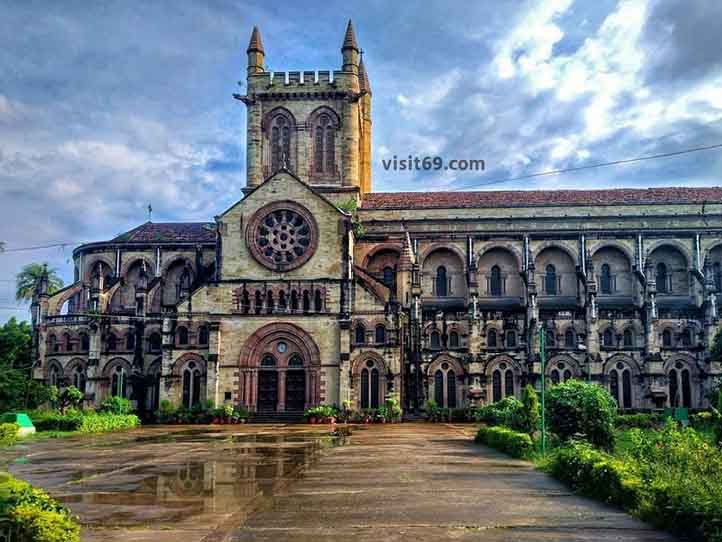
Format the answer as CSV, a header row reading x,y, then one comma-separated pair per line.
x,y
539,198
168,232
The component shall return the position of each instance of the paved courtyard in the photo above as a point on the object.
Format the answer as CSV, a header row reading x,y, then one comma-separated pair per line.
x,y
420,482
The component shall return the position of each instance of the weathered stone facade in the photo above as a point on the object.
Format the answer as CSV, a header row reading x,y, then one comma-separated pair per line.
x,y
283,303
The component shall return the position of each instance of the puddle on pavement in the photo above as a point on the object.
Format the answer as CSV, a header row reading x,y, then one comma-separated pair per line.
x,y
173,478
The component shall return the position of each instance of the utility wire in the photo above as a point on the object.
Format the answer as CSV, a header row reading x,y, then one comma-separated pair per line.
x,y
590,166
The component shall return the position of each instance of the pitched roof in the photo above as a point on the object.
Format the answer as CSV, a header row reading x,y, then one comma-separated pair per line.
x,y
169,232
539,198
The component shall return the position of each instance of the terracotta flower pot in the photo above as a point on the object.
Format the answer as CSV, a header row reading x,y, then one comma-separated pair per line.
x,y
312,420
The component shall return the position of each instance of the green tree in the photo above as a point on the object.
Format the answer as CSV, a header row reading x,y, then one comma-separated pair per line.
x,y
530,413
15,344
30,275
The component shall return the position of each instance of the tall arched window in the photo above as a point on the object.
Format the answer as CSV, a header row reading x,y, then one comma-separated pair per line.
x,y
360,334
628,338
442,284
491,338
509,383
68,342
567,375
130,341
191,385
79,377
555,376
306,301
614,386
439,387
364,388
453,340
280,134
370,392
154,342
389,278
626,389
605,279
511,339
496,385
550,338
550,280
687,337
203,335
374,388
451,389
84,342
667,338
686,389
112,343
317,301
53,345
608,338
495,284
435,340
270,302
717,276
569,338
673,389
324,145
662,279
380,334
282,303
119,381
182,333
54,376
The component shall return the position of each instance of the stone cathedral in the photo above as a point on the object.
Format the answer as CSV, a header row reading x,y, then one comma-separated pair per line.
x,y
313,289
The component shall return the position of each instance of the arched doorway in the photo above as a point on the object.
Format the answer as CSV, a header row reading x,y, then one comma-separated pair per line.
x,y
280,370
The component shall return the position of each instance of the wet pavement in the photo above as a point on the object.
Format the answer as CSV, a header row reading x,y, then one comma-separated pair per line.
x,y
420,482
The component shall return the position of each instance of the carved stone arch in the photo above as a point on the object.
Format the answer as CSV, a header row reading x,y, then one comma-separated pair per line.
x,y
708,251
364,356
596,247
173,261
53,363
279,110
89,266
395,247
445,358
252,349
127,265
71,365
660,243
179,364
291,160
569,363
610,363
428,251
508,247
320,110
155,365
554,244
686,359
56,302
494,362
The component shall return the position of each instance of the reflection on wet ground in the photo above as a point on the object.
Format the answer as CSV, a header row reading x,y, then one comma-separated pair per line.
x,y
170,483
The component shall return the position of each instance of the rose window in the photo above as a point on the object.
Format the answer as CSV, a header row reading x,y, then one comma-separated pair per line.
x,y
282,237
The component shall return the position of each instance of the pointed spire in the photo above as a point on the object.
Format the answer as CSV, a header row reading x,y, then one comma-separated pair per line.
x,y
363,78
255,44
349,40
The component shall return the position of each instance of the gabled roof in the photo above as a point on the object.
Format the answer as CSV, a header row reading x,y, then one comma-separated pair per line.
x,y
540,198
169,232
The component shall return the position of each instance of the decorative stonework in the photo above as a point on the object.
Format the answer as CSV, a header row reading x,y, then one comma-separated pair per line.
x,y
282,236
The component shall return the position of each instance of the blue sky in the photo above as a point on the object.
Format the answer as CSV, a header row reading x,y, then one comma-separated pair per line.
x,y
108,106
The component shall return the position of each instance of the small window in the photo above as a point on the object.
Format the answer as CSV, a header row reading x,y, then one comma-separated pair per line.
x,y
380,334
68,342
569,338
687,337
605,280
182,335
84,342
667,338
511,339
608,338
550,338
495,282
453,340
435,340
203,334
389,278
491,338
130,341
154,342
628,338
360,334
550,280
442,286
112,343
662,279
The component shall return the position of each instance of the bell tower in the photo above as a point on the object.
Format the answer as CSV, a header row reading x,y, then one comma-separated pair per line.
x,y
315,124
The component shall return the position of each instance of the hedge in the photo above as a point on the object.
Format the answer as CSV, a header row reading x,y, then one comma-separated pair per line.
x,y
53,421
35,515
103,423
8,434
640,421
596,474
505,440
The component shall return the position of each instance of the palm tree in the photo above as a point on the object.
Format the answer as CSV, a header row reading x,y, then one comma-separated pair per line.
x,y
27,280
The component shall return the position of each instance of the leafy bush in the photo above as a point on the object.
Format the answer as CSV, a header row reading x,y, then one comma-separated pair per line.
x,y
115,405
577,410
393,408
49,420
432,410
166,412
530,413
506,412
34,514
8,434
104,423
640,421
596,474
321,411
505,440
70,397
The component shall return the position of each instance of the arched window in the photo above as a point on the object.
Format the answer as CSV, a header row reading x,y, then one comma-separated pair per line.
x,y
245,302
662,279
686,389
435,340
389,277
453,340
555,376
203,335
360,334
54,376
365,388
53,345
550,280
442,284
119,382
84,342
317,301
717,275
380,335
673,388
374,388
628,338
68,342
258,305
491,338
627,389
511,339
451,389
268,361
608,338
569,338
667,338
324,145
294,300
112,343
282,304
79,377
495,284
306,301
605,279
182,333
567,375
687,337
509,383
496,386
281,131
614,386
154,342
439,387
270,303
551,338
130,341
191,385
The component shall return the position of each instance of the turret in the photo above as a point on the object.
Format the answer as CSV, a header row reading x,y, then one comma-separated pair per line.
x,y
365,139
255,52
350,51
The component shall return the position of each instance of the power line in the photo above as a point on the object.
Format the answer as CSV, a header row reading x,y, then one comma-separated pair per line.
x,y
590,166
39,247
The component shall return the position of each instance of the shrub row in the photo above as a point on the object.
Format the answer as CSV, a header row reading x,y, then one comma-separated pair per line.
x,y
104,423
34,515
8,434
54,421
640,421
506,440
